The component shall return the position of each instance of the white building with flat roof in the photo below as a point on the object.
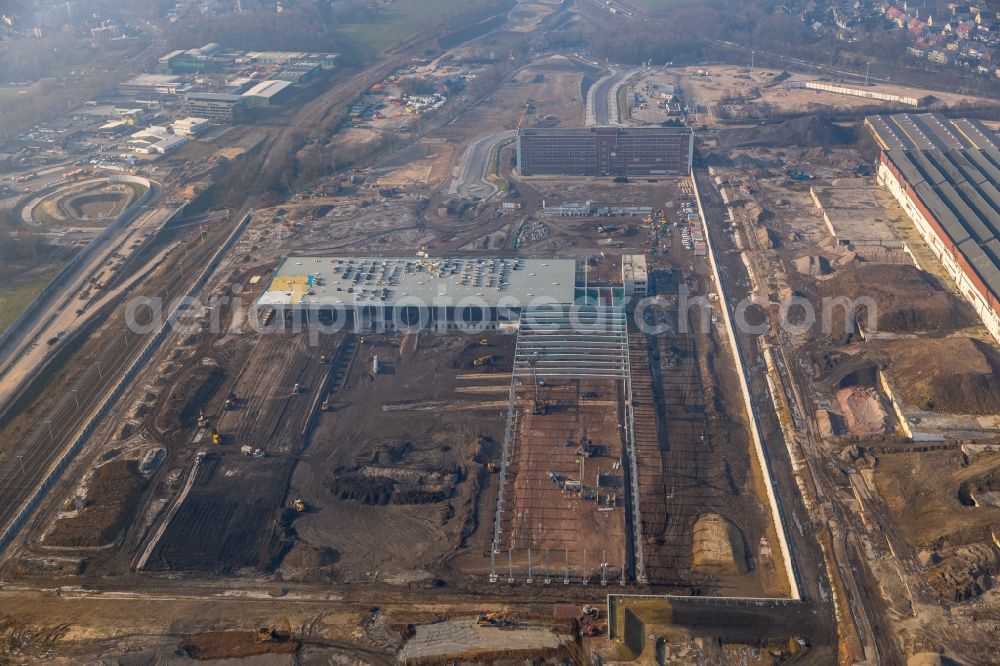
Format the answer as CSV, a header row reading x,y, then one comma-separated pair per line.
x,y
635,276
393,293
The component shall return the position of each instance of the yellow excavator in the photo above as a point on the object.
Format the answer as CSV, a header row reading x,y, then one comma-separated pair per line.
x,y
275,633
482,361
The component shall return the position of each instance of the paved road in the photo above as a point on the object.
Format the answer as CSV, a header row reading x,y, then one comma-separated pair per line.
x,y
25,331
471,182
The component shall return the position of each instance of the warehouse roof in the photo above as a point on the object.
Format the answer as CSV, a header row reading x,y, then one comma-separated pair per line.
x,y
350,281
268,88
959,188
930,131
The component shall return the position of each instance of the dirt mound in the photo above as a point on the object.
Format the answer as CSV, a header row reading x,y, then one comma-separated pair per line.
x,y
806,132
813,265
302,556
233,645
111,501
862,411
948,375
905,299
964,572
718,547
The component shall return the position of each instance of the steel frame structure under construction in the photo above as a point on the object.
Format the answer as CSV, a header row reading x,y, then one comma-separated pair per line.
x,y
560,343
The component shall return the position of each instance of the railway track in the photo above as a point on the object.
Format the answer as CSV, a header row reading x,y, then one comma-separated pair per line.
x,y
28,459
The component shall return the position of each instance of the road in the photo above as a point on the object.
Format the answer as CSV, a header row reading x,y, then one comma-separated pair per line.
x,y
27,460
471,181
28,327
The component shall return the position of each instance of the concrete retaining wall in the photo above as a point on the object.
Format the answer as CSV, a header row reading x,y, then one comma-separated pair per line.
x,y
756,435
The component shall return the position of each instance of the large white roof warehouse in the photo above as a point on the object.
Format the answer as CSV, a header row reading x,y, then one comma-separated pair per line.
x,y
348,282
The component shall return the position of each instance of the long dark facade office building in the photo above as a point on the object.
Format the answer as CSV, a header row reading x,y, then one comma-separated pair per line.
x,y
605,151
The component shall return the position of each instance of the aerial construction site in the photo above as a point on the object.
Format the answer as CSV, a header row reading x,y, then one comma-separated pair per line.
x,y
555,359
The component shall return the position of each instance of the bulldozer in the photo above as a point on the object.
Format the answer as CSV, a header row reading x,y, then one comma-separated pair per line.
x,y
275,633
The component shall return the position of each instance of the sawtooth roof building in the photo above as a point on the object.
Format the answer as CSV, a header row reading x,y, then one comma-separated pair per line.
x,y
953,200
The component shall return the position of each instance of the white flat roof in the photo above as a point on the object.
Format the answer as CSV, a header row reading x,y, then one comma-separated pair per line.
x,y
443,282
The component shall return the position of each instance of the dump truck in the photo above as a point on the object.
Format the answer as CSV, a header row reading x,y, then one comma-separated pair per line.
x,y
216,437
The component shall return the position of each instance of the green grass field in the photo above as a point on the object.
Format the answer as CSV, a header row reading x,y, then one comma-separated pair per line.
x,y
8,93
16,295
396,23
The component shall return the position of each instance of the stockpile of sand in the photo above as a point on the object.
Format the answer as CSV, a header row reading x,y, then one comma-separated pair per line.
x,y
905,298
718,547
813,265
948,375
862,411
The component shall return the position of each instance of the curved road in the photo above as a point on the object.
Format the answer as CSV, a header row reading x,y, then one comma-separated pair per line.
x,y
471,182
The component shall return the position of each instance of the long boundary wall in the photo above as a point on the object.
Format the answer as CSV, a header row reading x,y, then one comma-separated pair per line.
x,y
756,435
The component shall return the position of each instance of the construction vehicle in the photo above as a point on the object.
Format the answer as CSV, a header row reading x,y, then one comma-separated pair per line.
x,y
216,437
322,358
299,505
493,619
491,467
325,406
484,343
202,421
481,361
540,407
591,629
230,402
295,388
275,633
592,612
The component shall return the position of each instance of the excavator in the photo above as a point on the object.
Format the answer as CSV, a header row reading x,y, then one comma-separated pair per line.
x,y
482,360
299,505
275,633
